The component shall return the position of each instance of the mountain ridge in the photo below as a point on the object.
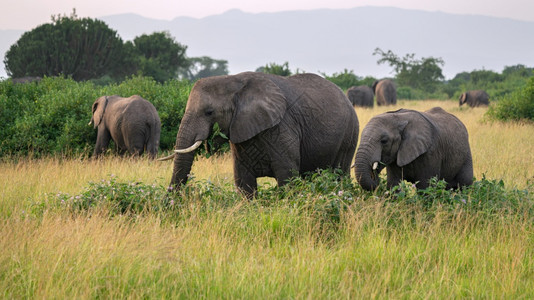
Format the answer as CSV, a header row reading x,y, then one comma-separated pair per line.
x,y
331,40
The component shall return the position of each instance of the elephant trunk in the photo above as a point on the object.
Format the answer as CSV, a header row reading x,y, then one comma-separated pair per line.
x,y
188,139
181,169
182,162
367,169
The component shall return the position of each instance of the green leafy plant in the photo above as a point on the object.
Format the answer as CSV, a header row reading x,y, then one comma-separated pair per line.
x,y
118,197
518,105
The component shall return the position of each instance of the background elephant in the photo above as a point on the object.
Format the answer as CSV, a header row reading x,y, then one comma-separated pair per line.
x,y
133,124
361,96
385,91
475,98
414,146
276,125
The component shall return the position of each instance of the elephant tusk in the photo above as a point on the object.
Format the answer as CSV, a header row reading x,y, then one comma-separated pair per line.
x,y
166,157
375,165
187,150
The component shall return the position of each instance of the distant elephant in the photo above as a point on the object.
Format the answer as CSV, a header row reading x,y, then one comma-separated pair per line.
x,y
414,146
133,124
475,98
361,96
276,126
385,91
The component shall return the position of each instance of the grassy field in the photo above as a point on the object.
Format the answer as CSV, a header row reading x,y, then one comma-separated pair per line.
x,y
212,243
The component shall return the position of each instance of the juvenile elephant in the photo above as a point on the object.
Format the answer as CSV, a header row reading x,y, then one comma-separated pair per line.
x,y
385,91
414,146
133,124
276,126
361,96
475,98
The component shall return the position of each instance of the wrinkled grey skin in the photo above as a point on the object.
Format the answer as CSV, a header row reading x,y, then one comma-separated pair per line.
x,y
474,98
414,146
385,91
361,96
276,126
133,124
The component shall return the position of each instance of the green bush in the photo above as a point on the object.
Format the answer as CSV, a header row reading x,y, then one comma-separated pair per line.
x,y
50,117
118,197
324,195
518,105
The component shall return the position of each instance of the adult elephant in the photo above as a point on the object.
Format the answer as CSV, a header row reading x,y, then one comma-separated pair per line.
x,y
414,146
361,96
385,91
474,98
276,126
133,124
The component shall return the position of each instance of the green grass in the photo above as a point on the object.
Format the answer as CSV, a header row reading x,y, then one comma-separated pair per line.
x,y
82,228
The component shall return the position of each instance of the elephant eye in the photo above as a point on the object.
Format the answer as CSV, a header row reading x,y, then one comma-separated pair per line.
x,y
209,112
384,140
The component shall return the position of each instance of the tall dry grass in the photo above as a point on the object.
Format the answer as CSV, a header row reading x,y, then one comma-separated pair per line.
x,y
243,249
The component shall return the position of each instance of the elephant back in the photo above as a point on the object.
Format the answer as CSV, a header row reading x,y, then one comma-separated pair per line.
x,y
386,92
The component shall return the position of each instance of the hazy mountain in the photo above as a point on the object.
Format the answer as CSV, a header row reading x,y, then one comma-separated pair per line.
x,y
333,40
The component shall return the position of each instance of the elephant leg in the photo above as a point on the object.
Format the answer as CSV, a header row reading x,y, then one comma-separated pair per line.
x,y
135,143
102,141
284,170
244,179
121,151
152,147
463,178
345,156
137,149
394,176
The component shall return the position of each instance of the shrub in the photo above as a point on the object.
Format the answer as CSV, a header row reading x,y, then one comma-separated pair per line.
x,y
118,197
518,105
50,117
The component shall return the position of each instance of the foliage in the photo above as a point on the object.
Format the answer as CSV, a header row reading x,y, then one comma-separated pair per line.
x,y
325,195
516,106
51,117
347,79
424,73
273,68
118,197
87,49
160,56
69,46
201,67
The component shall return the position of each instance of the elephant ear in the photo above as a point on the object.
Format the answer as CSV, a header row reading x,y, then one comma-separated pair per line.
x,y
463,98
373,87
259,105
99,107
417,138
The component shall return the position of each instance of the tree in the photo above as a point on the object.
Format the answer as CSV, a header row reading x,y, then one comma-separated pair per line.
x,y
424,74
201,67
78,48
272,68
480,77
347,79
344,80
518,70
160,56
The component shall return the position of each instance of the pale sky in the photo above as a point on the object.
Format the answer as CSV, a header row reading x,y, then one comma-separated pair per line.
x,y
27,14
